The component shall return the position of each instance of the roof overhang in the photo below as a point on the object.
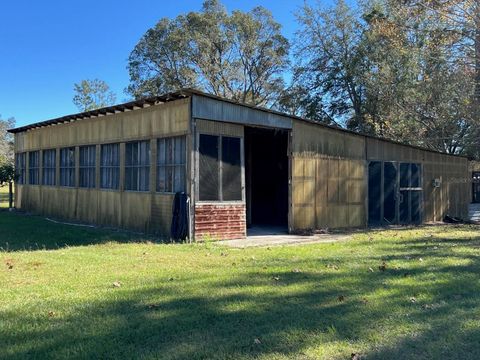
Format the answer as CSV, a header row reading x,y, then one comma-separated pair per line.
x,y
132,105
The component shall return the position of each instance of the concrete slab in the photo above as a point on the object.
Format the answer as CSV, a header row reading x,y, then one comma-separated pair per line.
x,y
271,236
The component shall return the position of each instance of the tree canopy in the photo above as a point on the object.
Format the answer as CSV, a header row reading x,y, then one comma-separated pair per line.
x,y
404,70
6,140
7,173
401,70
238,55
92,94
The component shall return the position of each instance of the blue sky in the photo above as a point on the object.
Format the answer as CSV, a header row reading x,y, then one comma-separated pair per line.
x,y
47,46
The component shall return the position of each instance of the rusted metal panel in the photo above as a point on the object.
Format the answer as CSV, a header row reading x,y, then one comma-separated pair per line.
x,y
220,221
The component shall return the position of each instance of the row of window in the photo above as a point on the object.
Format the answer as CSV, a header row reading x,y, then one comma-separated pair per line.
x,y
171,164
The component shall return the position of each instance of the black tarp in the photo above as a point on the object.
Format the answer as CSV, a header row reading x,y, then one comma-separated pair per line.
x,y
180,217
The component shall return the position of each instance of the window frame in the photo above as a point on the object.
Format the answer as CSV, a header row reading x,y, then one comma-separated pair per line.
x,y
138,166
107,167
173,165
33,169
87,168
49,168
220,170
410,177
21,168
67,168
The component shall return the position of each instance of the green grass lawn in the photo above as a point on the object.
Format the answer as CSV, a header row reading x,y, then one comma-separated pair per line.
x,y
3,197
201,301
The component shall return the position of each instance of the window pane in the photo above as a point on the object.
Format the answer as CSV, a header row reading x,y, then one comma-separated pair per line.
x,y
144,153
34,159
49,167
20,168
169,143
179,183
137,166
144,182
170,158
87,156
169,179
87,160
110,155
415,181
404,175
178,149
110,162
131,175
161,179
404,206
208,168
416,198
67,166
231,169
67,157
161,152
129,149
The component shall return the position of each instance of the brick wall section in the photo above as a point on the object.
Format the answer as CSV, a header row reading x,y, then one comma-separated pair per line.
x,y
220,221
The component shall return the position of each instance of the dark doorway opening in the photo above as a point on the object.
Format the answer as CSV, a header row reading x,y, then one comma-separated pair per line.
x,y
266,177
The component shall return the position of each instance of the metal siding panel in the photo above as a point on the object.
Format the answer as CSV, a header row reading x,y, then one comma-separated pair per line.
x,y
217,110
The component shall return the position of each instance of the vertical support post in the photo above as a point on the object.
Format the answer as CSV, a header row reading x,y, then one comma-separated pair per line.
x,y
290,179
192,148
98,150
122,167
152,183
220,167
248,176
26,181
40,167
153,166
57,167
77,166
10,195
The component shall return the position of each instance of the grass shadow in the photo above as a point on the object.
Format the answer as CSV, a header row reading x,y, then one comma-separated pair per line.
x,y
162,322
21,232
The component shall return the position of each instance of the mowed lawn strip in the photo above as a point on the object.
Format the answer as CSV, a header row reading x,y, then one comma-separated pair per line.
x,y
76,292
3,197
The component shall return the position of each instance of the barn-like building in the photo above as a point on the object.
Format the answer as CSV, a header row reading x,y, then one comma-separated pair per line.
x,y
241,167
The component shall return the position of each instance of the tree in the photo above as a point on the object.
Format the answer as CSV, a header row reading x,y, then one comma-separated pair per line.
x,y
7,176
159,62
92,94
240,56
7,173
6,140
419,76
405,70
330,64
